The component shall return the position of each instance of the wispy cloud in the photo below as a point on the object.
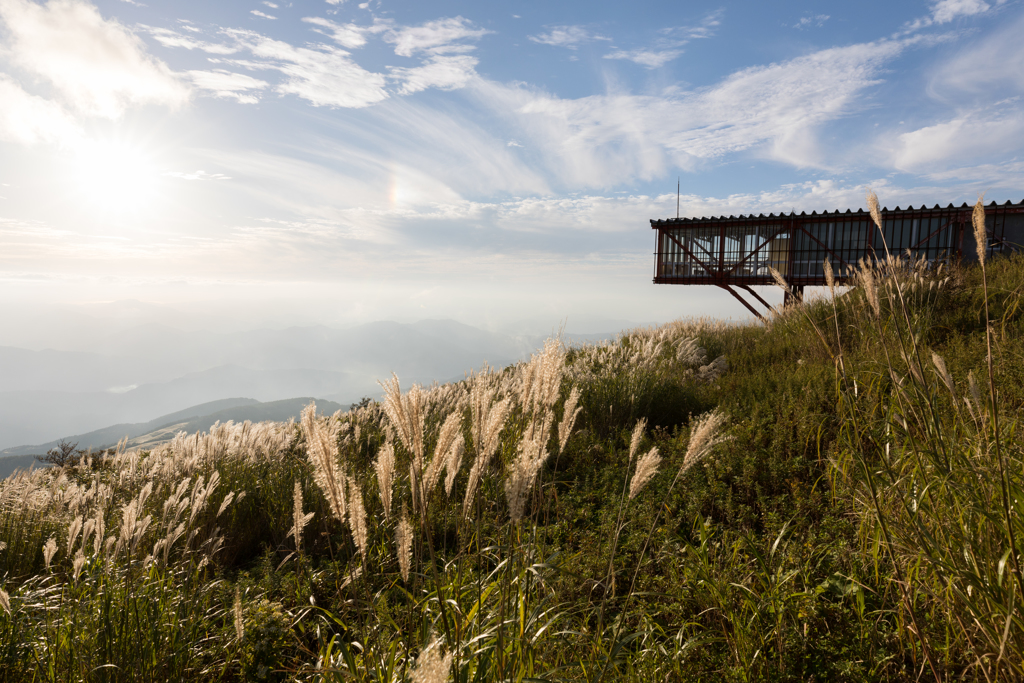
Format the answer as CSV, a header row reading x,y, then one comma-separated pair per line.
x,y
350,35
992,67
261,14
670,42
321,74
772,111
439,36
652,59
28,119
196,175
169,38
945,11
98,66
567,36
444,72
225,84
811,21
970,136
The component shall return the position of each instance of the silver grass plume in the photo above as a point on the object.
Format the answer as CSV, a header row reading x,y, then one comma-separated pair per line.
x,y
430,666
5,602
779,280
403,544
239,620
385,466
77,565
638,434
940,366
406,415
569,414
980,233
646,468
830,278
300,519
488,419
703,437
453,462
357,516
73,529
876,213
866,277
532,455
322,450
49,550
450,429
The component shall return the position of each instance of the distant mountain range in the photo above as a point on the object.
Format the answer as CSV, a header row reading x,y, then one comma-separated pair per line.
x,y
154,432
135,374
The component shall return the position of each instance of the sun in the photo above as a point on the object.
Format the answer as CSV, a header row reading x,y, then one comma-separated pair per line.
x,y
114,176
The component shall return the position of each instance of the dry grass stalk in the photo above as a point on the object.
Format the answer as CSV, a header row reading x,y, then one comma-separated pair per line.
x,y
569,415
430,666
980,232
403,544
49,550
450,429
406,414
830,277
5,602
876,213
703,437
531,457
239,620
453,461
300,519
322,450
357,516
947,379
638,434
866,278
488,419
779,280
646,468
385,466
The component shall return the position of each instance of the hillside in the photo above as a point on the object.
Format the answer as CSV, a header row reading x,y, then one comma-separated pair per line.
x,y
829,496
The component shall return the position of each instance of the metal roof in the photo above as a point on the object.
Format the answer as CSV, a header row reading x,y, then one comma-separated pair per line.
x,y
803,214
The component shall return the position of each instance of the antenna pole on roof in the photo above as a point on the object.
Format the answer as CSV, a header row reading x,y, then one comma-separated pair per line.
x,y
677,197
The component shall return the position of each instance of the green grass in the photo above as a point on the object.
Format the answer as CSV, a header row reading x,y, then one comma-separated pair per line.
x,y
851,526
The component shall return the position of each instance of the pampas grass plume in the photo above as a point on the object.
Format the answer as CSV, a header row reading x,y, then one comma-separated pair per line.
x,y
431,667
385,466
638,434
646,468
403,544
876,213
357,516
980,233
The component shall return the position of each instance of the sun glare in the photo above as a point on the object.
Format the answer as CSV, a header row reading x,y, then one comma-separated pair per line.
x,y
114,176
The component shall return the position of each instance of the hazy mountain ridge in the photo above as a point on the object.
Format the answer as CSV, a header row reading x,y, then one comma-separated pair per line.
x,y
133,375
191,420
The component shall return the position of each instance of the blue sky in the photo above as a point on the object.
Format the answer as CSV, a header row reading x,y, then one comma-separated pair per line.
x,y
334,162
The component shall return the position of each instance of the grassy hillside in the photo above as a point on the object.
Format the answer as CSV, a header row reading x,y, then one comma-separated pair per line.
x,y
831,496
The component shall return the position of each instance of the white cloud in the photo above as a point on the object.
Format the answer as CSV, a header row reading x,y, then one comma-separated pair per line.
x,y
566,36
991,66
772,110
971,135
28,119
437,36
945,11
346,35
98,66
169,38
270,4
669,45
261,14
228,85
323,75
652,59
812,21
196,175
444,72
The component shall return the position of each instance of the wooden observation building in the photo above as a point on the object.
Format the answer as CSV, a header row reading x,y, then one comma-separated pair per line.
x,y
736,252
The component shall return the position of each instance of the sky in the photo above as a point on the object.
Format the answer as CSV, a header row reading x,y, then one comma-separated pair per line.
x,y
240,164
